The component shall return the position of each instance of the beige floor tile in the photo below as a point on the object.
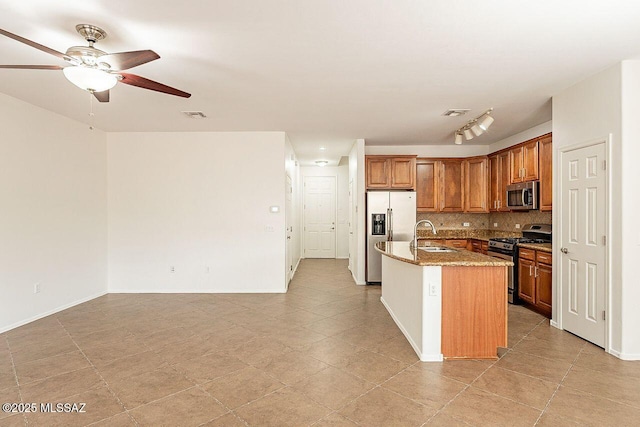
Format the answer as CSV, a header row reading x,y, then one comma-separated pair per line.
x,y
104,354
334,420
548,370
189,407
55,388
590,410
363,337
130,366
548,420
522,388
481,408
329,326
51,366
331,350
332,387
398,348
242,387
299,317
101,337
291,367
99,404
191,348
227,420
297,337
121,420
609,385
284,407
9,395
548,349
230,339
7,379
431,389
209,367
150,386
372,367
258,349
595,358
13,420
173,336
37,350
444,420
381,407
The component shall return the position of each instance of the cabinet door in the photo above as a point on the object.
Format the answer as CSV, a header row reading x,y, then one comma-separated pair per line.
x,y
526,280
494,182
403,173
427,185
378,172
451,185
504,179
476,185
543,288
545,153
515,156
530,161
456,243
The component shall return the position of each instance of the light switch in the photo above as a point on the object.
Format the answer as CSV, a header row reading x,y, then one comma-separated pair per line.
x,y
274,209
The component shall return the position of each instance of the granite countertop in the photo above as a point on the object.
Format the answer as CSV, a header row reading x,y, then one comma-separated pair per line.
x,y
460,257
478,234
544,247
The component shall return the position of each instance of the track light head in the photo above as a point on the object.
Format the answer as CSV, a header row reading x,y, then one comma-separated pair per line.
x,y
458,139
468,134
476,129
486,121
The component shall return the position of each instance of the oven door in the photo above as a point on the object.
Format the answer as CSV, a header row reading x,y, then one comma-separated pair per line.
x,y
512,296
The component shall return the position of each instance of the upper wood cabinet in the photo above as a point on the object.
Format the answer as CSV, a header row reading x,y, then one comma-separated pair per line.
x,y
427,185
476,184
499,178
524,162
545,155
390,172
451,185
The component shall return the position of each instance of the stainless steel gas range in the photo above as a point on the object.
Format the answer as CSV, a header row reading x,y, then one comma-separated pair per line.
x,y
507,248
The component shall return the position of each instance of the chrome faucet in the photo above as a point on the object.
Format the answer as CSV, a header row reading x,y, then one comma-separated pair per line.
x,y
415,230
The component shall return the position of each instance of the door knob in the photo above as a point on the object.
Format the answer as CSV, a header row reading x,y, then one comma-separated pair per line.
x,y
564,250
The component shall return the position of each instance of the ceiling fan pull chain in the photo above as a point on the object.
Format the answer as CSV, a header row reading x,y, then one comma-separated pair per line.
x,y
91,115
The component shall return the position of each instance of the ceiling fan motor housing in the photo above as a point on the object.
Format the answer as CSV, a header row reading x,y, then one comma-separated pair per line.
x,y
91,33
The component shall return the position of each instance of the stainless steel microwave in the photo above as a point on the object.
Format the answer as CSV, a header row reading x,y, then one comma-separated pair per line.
x,y
522,196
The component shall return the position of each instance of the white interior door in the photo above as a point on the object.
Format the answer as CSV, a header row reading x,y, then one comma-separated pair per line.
x,y
320,217
351,235
583,245
289,225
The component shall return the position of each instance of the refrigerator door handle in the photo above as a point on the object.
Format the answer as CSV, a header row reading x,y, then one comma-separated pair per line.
x,y
389,224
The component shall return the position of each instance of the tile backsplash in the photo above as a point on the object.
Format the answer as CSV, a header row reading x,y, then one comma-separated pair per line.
x,y
506,221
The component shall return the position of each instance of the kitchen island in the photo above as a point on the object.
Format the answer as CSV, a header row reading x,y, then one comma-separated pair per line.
x,y
449,303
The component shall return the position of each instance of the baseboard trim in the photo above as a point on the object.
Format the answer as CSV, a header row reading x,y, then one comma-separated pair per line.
x,y
423,357
356,280
197,291
554,324
50,312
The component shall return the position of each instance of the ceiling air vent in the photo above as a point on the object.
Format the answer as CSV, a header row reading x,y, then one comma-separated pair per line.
x,y
194,114
455,112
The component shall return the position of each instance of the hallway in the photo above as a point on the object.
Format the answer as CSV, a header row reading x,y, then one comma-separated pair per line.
x,y
326,353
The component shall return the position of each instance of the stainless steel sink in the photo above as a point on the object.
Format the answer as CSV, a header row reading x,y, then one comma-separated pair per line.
x,y
436,249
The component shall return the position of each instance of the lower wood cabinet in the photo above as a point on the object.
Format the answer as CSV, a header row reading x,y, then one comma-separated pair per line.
x,y
479,246
534,279
456,243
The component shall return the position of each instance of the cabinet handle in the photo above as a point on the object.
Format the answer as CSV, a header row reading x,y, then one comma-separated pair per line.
x,y
536,271
530,270
499,204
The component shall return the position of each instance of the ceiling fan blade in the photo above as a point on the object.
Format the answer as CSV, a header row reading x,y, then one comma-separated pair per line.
x,y
126,60
33,67
36,45
134,80
102,96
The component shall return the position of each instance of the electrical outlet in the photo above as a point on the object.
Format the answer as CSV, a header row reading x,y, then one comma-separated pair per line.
x,y
433,289
495,224
172,269
36,288
517,225
465,224
269,228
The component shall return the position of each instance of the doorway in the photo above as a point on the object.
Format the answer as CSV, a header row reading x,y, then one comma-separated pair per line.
x,y
583,241
319,211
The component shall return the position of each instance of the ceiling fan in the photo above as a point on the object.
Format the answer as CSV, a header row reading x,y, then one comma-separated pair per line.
x,y
94,70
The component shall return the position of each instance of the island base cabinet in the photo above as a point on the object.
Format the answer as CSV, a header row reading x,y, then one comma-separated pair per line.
x,y
474,312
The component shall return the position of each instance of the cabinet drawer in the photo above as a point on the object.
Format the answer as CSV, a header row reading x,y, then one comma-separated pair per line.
x,y
457,243
477,245
527,254
544,257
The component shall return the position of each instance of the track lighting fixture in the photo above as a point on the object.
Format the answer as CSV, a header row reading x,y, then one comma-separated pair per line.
x,y
476,127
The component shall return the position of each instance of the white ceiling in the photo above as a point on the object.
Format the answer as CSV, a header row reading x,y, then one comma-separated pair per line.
x,y
326,71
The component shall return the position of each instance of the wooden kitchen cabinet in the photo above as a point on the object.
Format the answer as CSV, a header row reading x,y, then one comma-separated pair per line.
x,y
476,184
500,177
390,172
524,162
535,279
427,185
451,185
456,243
545,155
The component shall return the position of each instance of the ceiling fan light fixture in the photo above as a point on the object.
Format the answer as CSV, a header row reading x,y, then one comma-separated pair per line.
x,y
90,79
322,163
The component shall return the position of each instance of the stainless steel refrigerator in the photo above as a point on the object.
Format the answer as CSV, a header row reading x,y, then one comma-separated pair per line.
x,y
391,215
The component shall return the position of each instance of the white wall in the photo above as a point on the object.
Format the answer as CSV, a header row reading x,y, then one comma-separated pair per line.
x,y
198,202
450,150
630,236
292,169
341,174
530,133
592,110
53,225
358,227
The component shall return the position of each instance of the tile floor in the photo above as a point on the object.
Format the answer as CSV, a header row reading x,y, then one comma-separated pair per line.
x,y
324,354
